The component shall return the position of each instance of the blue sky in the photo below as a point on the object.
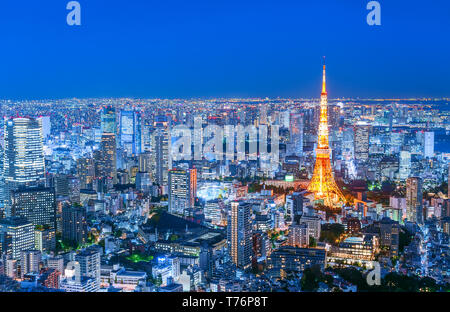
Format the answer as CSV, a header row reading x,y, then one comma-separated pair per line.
x,y
213,48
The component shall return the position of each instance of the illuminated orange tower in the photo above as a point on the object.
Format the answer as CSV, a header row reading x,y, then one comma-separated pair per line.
x,y
322,183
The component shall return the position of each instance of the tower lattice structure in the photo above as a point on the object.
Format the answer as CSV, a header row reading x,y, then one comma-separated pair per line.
x,y
322,183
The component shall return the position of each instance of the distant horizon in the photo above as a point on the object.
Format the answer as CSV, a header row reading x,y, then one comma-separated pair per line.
x,y
230,98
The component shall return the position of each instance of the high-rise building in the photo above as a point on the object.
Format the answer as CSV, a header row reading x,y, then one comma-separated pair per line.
x,y
322,182
108,120
362,142
240,234
85,172
389,236
46,126
429,145
182,190
36,204
405,165
295,146
161,156
414,208
74,226
23,163
130,131
108,157
19,234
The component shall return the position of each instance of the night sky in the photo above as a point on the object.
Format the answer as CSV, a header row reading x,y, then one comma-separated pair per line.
x,y
218,48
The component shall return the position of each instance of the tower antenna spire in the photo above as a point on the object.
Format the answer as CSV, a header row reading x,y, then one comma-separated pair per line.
x,y
324,84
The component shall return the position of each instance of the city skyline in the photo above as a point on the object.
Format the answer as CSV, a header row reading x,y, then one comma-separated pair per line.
x,y
182,147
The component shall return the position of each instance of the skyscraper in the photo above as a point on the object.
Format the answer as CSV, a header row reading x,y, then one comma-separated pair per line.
x,y
240,234
161,157
182,190
361,142
36,204
130,131
295,146
85,172
74,226
108,166
405,165
322,183
429,145
108,120
24,163
414,208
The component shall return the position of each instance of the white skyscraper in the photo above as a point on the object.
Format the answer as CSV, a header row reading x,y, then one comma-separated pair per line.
x,y
24,162
405,165
429,144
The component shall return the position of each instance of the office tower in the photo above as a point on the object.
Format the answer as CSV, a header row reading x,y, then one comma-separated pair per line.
x,y
85,172
240,234
29,262
284,119
389,236
108,120
145,162
429,145
19,234
322,183
161,154
89,260
45,240
212,211
36,204
74,226
361,142
24,163
108,156
73,187
130,131
334,114
46,126
405,165
182,190
295,145
414,197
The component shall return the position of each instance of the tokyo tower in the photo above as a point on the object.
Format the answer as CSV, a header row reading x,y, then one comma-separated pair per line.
x,y
322,183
